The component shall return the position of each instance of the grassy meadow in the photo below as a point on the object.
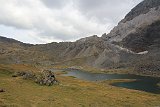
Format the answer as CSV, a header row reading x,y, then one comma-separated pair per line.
x,y
71,92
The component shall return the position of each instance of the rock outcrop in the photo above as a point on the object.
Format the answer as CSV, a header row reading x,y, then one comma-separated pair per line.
x,y
44,78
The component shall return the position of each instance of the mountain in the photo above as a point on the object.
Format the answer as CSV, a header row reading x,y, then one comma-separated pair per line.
x,y
139,29
133,44
18,52
139,32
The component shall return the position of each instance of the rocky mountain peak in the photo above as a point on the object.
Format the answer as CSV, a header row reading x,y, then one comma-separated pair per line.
x,y
134,31
90,38
142,8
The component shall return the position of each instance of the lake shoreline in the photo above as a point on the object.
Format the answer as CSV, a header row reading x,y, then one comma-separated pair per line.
x,y
112,71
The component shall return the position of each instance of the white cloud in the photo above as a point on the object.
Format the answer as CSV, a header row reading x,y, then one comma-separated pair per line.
x,y
57,20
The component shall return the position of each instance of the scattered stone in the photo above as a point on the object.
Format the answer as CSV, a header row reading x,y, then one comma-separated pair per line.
x,y
17,74
1,90
75,68
24,75
28,76
14,75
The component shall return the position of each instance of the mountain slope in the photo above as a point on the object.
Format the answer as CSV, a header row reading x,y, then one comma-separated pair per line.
x,y
133,43
139,32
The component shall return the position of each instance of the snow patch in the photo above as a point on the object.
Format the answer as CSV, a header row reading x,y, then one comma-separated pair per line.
x,y
129,51
142,53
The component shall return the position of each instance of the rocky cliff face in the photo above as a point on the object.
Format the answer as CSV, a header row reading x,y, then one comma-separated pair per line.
x,y
85,47
139,32
134,31
142,8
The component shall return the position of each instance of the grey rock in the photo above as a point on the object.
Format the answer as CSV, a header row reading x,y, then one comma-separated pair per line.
x,y
19,73
46,78
142,8
28,76
24,75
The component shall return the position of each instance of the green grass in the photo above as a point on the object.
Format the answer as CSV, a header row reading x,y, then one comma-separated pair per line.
x,y
5,72
70,93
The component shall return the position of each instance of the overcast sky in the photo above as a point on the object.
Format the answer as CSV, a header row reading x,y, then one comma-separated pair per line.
x,y
44,21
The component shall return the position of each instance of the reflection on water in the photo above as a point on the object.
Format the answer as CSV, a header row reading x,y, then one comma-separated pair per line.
x,y
143,83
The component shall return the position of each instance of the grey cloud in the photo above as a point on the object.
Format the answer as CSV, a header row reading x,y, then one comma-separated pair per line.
x,y
64,19
106,10
55,3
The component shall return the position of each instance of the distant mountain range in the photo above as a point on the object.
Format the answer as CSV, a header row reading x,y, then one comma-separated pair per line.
x,y
134,43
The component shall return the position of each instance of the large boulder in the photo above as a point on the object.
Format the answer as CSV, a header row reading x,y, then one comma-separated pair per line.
x,y
46,78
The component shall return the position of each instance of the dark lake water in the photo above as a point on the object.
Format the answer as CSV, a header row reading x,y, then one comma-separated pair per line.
x,y
143,83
